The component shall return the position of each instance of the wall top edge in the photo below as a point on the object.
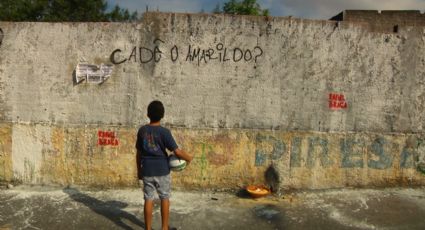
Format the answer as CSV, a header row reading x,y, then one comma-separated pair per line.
x,y
154,16
385,11
148,15
157,14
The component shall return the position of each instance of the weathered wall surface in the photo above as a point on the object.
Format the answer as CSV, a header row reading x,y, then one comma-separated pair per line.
x,y
5,152
329,104
223,158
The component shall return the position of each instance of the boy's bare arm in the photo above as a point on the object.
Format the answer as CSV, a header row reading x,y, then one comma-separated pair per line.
x,y
183,155
139,166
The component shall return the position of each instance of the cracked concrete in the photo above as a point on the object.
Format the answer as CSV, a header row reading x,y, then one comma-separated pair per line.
x,y
26,207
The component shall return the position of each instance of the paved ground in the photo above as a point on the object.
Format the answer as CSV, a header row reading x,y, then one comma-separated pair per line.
x,y
72,208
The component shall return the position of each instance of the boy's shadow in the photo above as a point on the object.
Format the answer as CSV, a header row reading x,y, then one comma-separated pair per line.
x,y
109,209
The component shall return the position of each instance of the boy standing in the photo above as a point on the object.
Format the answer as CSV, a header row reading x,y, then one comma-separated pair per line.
x,y
152,163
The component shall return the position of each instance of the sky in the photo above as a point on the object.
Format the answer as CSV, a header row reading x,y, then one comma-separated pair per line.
x,y
312,9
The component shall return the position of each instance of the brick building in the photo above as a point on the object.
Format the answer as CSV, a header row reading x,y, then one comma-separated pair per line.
x,y
383,21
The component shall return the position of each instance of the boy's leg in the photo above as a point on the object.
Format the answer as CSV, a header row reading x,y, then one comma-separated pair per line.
x,y
149,191
148,214
164,190
165,213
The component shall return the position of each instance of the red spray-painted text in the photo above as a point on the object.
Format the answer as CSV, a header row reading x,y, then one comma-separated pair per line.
x,y
107,138
337,101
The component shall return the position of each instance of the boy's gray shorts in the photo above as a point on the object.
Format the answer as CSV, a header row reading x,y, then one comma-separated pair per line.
x,y
160,184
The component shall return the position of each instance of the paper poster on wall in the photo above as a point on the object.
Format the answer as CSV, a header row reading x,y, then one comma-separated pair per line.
x,y
96,74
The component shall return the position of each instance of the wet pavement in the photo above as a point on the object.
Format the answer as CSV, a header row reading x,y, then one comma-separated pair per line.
x,y
26,207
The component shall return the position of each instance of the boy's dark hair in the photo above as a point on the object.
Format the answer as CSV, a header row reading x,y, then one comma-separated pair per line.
x,y
156,111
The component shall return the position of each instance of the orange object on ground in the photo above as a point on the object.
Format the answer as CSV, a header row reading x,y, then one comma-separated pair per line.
x,y
257,191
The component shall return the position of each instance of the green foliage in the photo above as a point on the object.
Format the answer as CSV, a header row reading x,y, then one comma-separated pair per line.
x,y
62,10
21,10
121,15
244,7
217,9
75,10
421,168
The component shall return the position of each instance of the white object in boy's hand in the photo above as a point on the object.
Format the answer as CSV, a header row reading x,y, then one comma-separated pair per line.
x,y
176,164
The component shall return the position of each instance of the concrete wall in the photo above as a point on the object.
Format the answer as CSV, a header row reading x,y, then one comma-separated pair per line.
x,y
328,104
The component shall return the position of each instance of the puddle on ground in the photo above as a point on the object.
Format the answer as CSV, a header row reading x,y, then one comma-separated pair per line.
x,y
268,212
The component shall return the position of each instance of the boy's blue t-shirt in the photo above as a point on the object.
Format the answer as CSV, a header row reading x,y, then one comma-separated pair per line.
x,y
152,142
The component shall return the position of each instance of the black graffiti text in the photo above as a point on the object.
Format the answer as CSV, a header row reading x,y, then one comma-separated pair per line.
x,y
222,54
139,54
194,54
